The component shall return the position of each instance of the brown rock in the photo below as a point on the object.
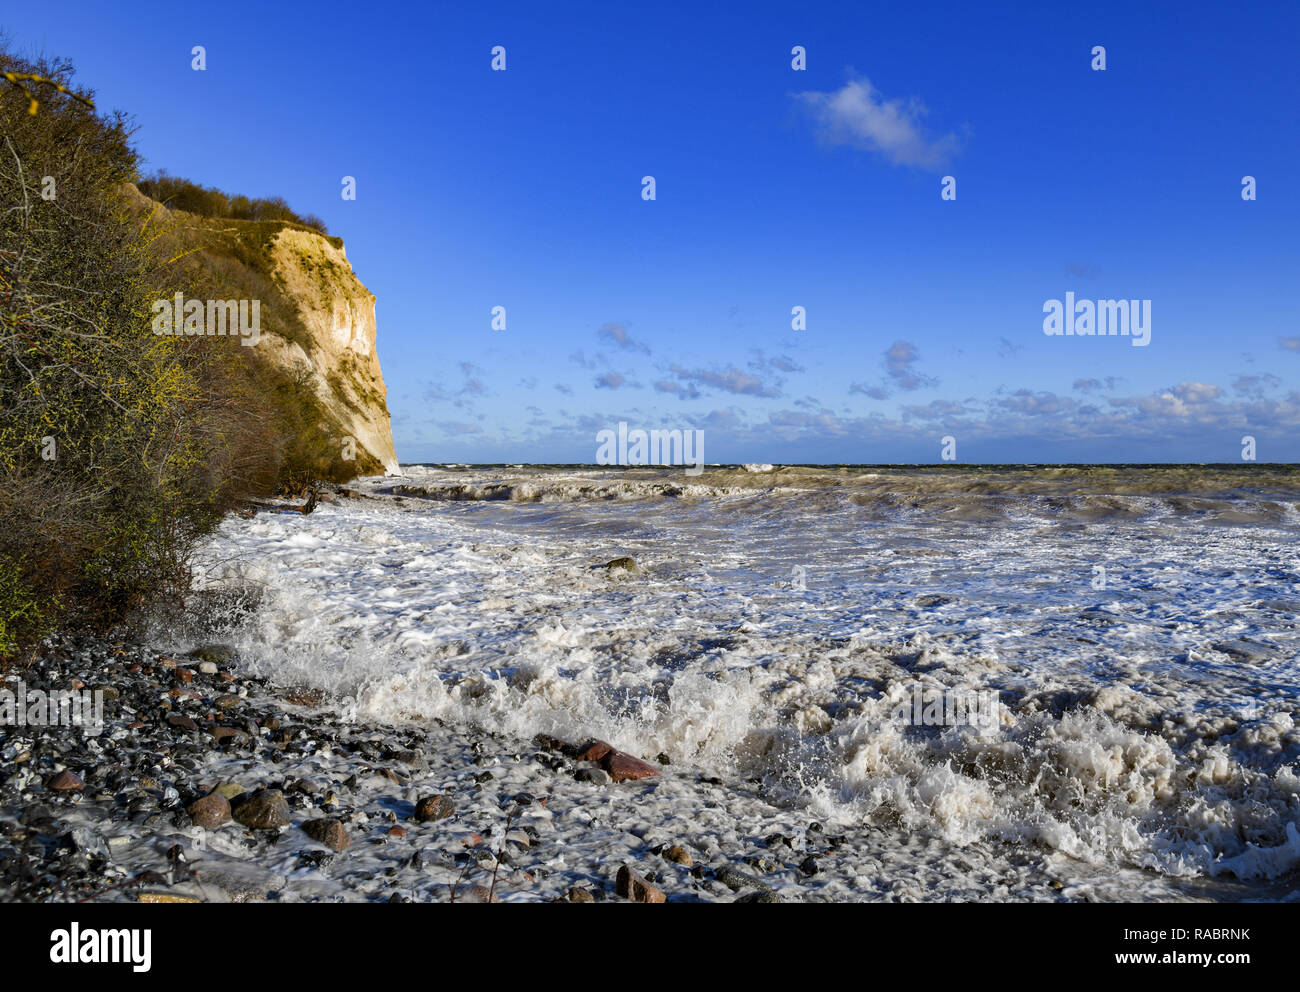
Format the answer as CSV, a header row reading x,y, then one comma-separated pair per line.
x,y
210,812
678,855
329,832
397,832
621,766
577,894
632,886
227,701
65,781
182,722
594,751
434,808
264,809
184,675
474,893
229,736
305,697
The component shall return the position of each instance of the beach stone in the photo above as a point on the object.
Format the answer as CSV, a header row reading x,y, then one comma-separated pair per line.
x,y
210,812
625,768
625,563
1246,651
329,832
264,809
305,697
184,675
181,722
215,654
678,855
622,767
207,668
434,808
596,776
632,886
475,893
397,832
735,880
88,842
228,700
761,895
65,781
577,894
230,790
229,737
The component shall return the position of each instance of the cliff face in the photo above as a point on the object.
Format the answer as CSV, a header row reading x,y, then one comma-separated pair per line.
x,y
313,273
317,319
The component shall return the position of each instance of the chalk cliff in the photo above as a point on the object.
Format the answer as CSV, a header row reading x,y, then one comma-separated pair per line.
x,y
317,319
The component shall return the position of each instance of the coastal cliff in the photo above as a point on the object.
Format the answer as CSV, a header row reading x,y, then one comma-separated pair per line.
x,y
318,326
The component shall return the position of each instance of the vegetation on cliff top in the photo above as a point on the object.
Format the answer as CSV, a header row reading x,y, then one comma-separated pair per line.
x,y
182,194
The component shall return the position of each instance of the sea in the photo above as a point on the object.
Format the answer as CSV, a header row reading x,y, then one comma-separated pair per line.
x,y
1095,664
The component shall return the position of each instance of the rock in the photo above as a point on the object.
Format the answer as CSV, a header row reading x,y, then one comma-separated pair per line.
x,y
397,832
181,722
184,675
596,776
625,563
65,781
329,832
929,601
474,893
216,654
625,768
622,767
577,894
166,897
632,886
735,880
207,668
594,751
229,789
305,697
227,737
210,812
678,855
88,842
228,700
762,895
264,809
1246,651
809,866
434,808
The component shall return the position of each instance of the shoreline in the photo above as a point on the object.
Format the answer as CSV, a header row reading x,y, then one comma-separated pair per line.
x,y
432,813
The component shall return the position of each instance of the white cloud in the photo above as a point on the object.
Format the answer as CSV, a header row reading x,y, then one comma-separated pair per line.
x,y
859,116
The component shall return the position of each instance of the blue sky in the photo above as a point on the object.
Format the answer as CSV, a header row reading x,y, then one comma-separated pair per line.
x,y
775,188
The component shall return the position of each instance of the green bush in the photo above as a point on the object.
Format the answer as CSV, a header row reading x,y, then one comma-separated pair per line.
x,y
182,194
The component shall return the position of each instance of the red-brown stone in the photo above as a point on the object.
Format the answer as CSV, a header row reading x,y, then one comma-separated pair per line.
x,y
632,886
621,766
66,781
